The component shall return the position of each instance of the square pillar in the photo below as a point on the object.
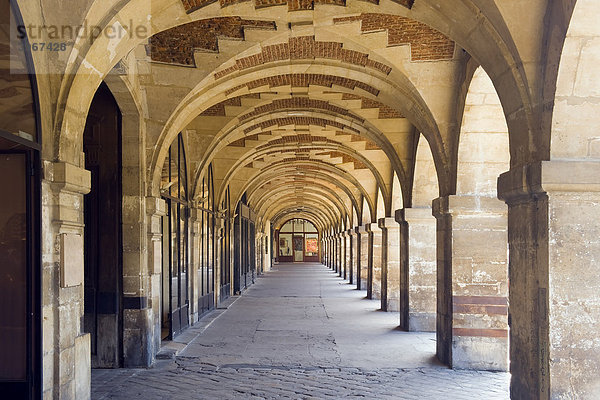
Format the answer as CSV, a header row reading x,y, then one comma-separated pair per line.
x,y
347,258
328,251
331,253
155,208
338,251
554,243
419,280
347,254
362,272
390,264
375,234
472,282
66,352
341,239
352,270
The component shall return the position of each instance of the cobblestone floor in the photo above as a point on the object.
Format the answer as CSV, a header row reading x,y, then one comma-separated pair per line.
x,y
301,333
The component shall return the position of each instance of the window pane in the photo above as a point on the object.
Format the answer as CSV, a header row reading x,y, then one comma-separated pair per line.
x,y
16,101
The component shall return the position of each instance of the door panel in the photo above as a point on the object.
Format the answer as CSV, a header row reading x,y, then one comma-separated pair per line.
x,y
13,268
19,274
298,248
102,236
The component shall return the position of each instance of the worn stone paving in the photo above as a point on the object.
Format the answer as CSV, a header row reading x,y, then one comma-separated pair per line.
x,y
301,333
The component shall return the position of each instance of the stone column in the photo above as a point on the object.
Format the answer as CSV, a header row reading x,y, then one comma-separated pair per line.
x,y
472,282
346,250
66,350
348,254
390,264
331,252
335,247
375,261
420,279
156,209
362,276
554,242
340,242
354,256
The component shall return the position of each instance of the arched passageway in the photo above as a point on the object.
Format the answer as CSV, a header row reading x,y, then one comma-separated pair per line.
x,y
171,149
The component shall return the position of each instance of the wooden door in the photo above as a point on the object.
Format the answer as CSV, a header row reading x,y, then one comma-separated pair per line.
x,y
102,235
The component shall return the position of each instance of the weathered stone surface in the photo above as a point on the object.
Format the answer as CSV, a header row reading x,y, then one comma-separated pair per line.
x,y
472,274
422,266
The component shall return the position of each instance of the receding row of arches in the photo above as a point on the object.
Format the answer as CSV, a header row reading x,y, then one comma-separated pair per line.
x,y
161,188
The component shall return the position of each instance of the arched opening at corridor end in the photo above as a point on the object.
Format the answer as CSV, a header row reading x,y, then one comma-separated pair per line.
x,y
297,240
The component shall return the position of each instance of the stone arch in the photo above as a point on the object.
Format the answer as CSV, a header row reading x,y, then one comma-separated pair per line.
x,y
320,179
332,171
254,154
208,93
493,33
315,188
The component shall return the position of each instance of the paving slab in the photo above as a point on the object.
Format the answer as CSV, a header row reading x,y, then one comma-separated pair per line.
x,y
301,332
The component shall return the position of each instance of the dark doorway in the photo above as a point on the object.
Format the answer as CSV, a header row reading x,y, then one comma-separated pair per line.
x,y
103,239
244,266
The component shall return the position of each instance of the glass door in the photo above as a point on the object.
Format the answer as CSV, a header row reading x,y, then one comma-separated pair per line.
x,y
298,248
175,232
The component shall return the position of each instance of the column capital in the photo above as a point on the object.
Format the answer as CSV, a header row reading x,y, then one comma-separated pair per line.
x,y
373,228
68,177
389,223
352,232
156,206
536,179
362,229
467,205
399,215
418,213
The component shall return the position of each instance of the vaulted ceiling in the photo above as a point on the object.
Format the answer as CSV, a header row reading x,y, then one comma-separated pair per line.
x,y
303,113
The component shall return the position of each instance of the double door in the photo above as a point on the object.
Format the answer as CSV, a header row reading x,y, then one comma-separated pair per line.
x,y
20,326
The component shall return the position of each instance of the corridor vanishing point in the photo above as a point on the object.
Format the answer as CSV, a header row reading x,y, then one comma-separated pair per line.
x,y
300,198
